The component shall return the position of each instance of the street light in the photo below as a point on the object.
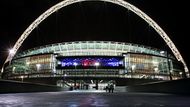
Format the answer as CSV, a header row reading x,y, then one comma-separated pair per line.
x,y
22,77
132,69
27,63
38,66
75,64
162,52
65,75
156,69
181,74
14,69
97,64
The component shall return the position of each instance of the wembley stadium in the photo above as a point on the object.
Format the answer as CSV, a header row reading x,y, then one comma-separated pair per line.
x,y
93,62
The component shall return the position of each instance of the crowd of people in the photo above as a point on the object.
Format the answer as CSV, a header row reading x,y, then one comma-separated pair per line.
x,y
109,88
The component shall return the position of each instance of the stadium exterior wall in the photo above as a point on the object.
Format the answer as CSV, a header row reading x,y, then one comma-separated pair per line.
x,y
95,59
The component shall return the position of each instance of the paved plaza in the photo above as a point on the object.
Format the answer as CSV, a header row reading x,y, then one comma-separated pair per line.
x,y
93,99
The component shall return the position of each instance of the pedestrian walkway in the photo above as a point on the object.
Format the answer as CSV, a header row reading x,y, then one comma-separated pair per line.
x,y
93,98
87,91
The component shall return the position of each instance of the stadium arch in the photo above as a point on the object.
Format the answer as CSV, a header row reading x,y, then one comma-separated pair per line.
x,y
122,3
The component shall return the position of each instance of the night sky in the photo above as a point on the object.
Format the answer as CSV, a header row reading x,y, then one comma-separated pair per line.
x,y
94,21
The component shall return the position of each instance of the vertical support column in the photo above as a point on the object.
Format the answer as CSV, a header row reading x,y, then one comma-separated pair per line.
x,y
75,82
96,85
169,67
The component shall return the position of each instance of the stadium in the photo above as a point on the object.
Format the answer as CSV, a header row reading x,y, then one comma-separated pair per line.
x,y
93,62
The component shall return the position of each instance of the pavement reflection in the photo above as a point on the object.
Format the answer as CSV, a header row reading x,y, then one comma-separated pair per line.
x,y
92,99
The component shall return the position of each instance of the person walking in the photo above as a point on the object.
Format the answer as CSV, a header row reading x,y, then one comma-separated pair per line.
x,y
111,88
106,88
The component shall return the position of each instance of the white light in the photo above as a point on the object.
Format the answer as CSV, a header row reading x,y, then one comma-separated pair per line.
x,y
180,73
2,69
162,52
22,77
92,82
156,69
11,51
27,63
75,64
14,69
65,75
97,64
38,66
59,62
54,70
133,67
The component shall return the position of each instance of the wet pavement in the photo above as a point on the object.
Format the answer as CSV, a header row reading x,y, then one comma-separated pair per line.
x,y
93,99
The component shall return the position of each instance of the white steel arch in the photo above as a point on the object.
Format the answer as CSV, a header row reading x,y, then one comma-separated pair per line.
x,y
122,3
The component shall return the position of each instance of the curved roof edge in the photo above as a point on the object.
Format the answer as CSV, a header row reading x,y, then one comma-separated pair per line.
x,y
38,50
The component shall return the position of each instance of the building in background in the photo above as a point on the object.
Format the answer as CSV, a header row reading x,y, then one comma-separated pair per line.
x,y
96,60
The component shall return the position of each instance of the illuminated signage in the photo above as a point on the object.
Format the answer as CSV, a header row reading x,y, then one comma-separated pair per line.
x,y
90,62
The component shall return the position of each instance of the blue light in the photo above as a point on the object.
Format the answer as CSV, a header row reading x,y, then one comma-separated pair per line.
x,y
113,64
62,64
90,61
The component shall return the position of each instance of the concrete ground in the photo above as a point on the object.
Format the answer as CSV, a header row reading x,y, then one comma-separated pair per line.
x,y
93,99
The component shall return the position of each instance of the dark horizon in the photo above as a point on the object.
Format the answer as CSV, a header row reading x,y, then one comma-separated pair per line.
x,y
93,21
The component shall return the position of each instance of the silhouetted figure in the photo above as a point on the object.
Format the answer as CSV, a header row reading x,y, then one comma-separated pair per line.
x,y
71,88
106,88
111,88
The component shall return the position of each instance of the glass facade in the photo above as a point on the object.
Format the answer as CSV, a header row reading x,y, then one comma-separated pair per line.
x,y
81,48
95,59
147,66
41,63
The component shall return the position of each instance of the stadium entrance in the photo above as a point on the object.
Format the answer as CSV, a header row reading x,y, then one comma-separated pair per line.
x,y
84,84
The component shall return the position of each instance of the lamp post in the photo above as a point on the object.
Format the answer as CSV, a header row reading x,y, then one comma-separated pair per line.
x,y
14,69
75,64
65,76
180,73
38,67
132,69
96,64
155,72
22,77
